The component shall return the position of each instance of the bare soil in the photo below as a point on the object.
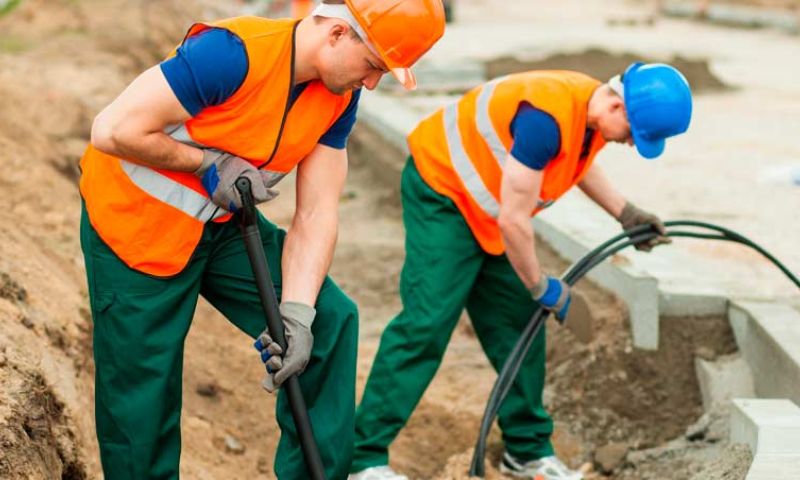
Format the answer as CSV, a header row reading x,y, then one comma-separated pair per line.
x,y
603,65
60,62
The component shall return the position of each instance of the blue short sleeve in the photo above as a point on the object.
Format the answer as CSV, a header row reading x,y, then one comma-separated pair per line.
x,y
207,69
338,133
537,139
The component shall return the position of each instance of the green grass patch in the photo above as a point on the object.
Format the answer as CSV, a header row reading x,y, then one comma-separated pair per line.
x,y
7,5
12,44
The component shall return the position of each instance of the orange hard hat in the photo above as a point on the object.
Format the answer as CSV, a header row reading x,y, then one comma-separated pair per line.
x,y
400,30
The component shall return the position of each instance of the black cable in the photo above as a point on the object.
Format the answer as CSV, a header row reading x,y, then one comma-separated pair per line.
x,y
508,373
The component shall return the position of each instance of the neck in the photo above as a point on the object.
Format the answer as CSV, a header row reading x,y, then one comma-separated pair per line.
x,y
306,45
593,113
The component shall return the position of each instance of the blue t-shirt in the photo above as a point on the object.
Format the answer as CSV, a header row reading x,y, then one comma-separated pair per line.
x,y
537,139
211,66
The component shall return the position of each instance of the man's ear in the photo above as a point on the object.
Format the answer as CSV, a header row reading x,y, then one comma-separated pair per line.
x,y
616,103
336,32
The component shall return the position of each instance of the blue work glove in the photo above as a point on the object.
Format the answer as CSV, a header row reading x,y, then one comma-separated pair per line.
x,y
219,172
297,319
554,295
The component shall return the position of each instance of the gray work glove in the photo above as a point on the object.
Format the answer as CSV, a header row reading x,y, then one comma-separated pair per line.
x,y
633,216
220,170
297,319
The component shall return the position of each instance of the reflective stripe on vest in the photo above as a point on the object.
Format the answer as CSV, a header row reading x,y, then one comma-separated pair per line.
x,y
172,193
484,122
462,164
175,193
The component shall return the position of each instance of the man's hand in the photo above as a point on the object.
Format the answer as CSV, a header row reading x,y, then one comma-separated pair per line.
x,y
297,319
553,294
632,216
219,172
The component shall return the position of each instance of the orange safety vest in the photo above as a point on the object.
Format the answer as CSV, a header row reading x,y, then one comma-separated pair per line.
x,y
460,150
153,218
302,8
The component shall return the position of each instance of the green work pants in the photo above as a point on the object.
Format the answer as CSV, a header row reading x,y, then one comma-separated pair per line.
x,y
445,271
141,322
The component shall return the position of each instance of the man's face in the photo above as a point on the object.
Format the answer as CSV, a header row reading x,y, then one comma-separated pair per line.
x,y
346,63
613,123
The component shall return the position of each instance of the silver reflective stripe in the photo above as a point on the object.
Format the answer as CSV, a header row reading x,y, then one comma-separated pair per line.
x,y
484,122
464,166
180,134
172,193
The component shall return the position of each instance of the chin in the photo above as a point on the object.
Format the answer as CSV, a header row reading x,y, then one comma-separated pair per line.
x,y
336,89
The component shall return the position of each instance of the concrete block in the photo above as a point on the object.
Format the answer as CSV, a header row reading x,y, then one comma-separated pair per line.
x,y
767,426
768,335
774,467
680,304
723,380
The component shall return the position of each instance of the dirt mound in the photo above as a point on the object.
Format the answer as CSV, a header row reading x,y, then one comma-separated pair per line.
x,y
608,391
603,65
58,67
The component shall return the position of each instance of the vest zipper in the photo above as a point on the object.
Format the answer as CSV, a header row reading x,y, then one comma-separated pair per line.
x,y
288,101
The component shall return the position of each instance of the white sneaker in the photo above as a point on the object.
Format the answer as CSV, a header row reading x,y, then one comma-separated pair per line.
x,y
546,468
384,472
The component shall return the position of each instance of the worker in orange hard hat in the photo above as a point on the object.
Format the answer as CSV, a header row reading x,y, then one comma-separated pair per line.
x,y
248,97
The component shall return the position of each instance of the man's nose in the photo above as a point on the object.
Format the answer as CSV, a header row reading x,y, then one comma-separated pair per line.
x,y
371,80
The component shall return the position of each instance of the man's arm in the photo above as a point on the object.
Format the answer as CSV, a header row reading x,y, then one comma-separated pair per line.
x,y
519,193
595,185
132,126
312,236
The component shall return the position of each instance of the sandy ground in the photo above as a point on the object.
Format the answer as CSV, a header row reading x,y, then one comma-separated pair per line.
x,y
60,62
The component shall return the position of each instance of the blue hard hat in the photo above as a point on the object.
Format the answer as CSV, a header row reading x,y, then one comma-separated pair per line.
x,y
658,102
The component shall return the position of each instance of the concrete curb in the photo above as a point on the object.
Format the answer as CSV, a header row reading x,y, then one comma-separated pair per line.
x,y
768,336
771,428
735,15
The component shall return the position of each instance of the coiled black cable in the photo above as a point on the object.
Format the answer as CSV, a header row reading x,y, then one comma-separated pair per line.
x,y
580,268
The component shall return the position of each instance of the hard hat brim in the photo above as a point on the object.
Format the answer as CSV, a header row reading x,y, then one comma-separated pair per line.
x,y
649,149
405,77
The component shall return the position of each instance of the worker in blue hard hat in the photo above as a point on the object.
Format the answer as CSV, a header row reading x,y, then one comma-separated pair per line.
x,y
480,168
658,104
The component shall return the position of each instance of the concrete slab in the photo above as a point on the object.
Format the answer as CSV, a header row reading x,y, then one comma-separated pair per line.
x,y
723,380
768,336
767,426
774,467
